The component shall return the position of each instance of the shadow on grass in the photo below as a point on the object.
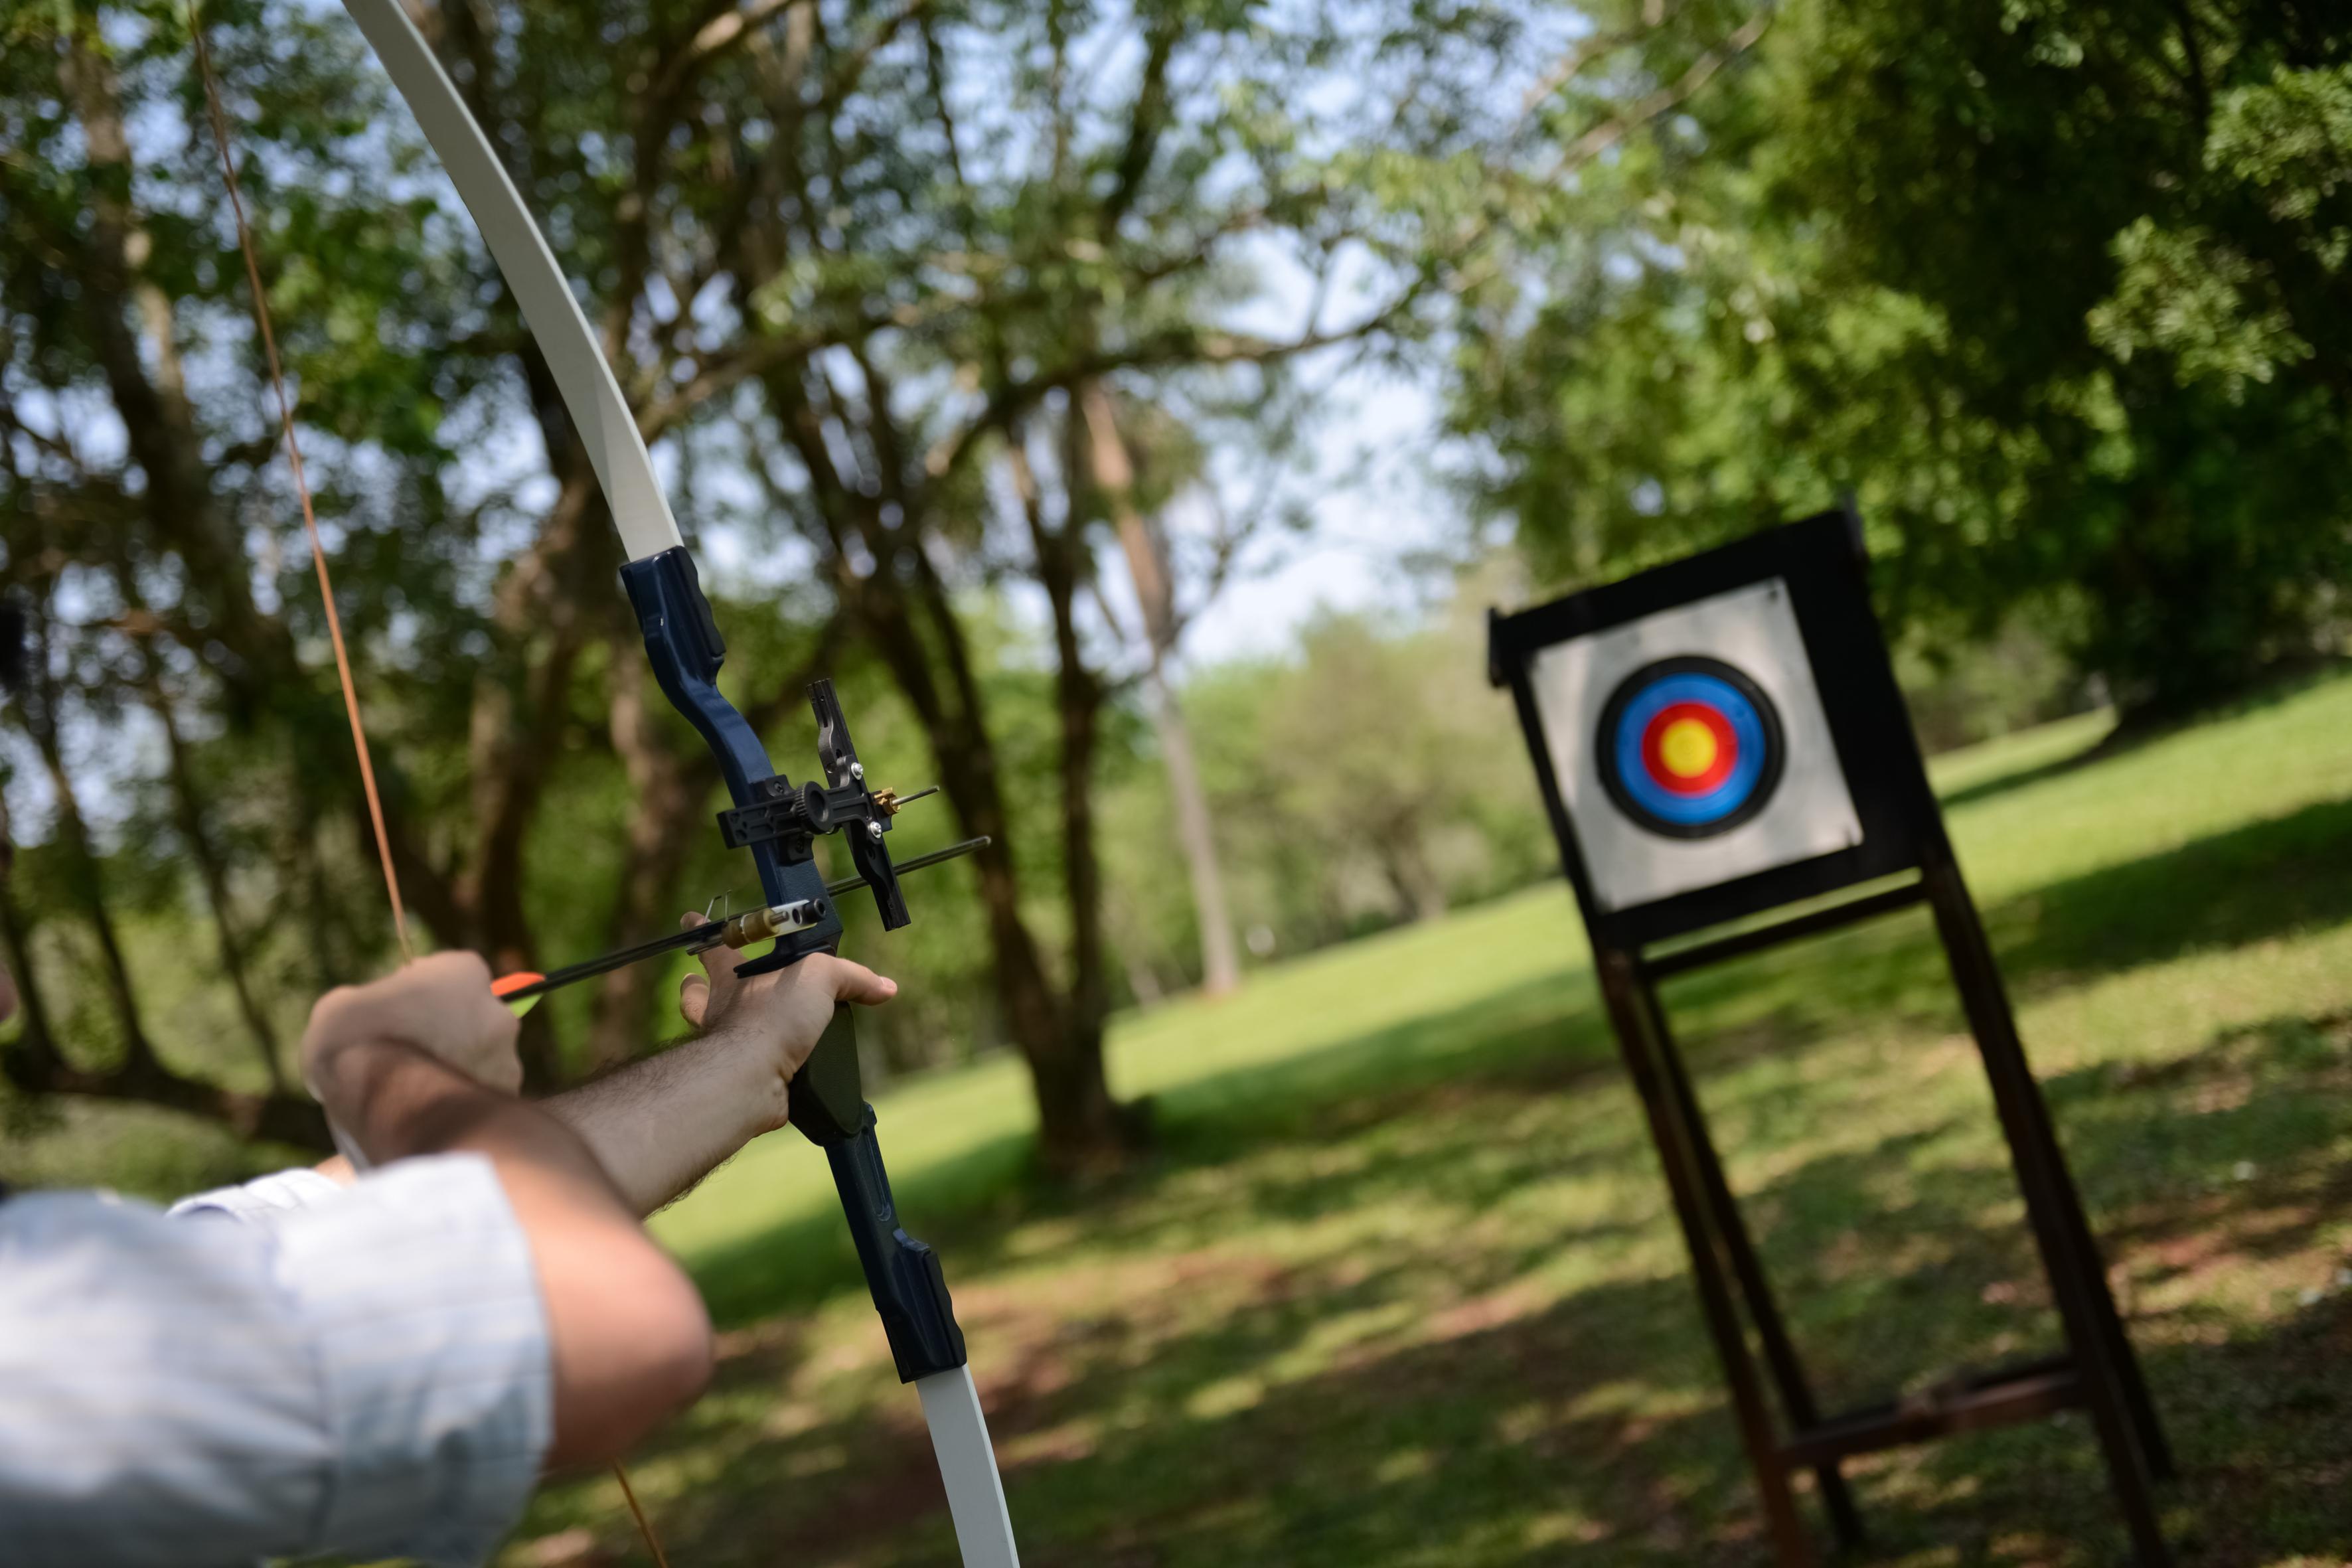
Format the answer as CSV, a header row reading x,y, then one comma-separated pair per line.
x,y
2132,733
2002,784
2262,881
2283,683
798,1266
1147,1434
1591,1429
2259,880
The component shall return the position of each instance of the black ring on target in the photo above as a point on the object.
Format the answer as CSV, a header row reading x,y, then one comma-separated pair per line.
x,y
1689,747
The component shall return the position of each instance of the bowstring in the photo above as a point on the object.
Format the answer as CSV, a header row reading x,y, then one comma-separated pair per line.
x,y
301,482
636,1511
218,114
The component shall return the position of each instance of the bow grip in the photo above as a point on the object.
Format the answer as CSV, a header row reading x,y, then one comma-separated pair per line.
x,y
828,1094
903,1274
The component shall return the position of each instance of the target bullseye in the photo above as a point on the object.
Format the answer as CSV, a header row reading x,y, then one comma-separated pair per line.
x,y
1689,747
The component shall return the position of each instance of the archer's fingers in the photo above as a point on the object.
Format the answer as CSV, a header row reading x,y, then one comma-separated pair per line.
x,y
854,983
718,961
705,998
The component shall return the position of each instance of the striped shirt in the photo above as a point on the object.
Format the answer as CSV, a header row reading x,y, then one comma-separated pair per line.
x,y
284,1368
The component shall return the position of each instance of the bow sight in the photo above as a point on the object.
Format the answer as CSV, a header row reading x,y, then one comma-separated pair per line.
x,y
776,821
791,819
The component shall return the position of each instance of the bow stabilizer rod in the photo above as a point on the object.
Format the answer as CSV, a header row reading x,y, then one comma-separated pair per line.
x,y
770,818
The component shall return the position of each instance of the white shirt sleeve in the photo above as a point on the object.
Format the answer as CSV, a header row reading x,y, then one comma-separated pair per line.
x,y
265,1198
305,1368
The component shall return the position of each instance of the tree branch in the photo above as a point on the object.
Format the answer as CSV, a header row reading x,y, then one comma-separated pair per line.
x,y
1168,348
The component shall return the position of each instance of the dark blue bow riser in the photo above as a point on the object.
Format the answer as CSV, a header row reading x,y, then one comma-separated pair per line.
x,y
828,1101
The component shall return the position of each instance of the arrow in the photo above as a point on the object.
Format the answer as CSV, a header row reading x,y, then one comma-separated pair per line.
x,y
519,989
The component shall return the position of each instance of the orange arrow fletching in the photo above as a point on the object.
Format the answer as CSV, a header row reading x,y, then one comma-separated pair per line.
x,y
516,981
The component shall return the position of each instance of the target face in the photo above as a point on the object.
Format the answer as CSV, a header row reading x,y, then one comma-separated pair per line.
x,y
1689,747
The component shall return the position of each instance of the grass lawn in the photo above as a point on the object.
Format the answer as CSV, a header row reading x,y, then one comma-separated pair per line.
x,y
1402,1287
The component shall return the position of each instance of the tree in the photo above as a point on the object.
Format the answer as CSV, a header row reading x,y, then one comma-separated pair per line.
x,y
920,235
2050,286
121,489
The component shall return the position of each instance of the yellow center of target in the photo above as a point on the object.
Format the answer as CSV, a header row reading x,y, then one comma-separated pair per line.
x,y
1687,748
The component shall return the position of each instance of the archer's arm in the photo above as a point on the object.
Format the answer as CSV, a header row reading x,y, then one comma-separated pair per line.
x,y
629,1342
660,1125
379,1371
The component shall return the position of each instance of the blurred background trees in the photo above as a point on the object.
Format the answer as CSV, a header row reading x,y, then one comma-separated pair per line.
x,y
985,344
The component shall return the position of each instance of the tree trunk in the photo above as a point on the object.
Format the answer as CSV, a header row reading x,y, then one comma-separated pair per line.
x,y
908,617
33,1055
663,791
1221,964
1421,894
1141,980
37,1065
1081,1129
1147,563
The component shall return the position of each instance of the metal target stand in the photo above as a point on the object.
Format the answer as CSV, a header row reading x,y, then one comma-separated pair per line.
x,y
1821,562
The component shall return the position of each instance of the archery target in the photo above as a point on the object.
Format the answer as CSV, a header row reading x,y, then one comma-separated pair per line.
x,y
1691,747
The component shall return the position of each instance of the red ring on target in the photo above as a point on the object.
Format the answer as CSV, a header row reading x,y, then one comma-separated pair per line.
x,y
1655,761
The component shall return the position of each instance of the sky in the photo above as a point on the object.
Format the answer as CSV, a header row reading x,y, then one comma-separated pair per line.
x,y
1371,459
1370,452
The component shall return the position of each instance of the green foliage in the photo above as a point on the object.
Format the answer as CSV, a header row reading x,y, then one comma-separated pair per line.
x,y
2187,294
1962,691
2054,289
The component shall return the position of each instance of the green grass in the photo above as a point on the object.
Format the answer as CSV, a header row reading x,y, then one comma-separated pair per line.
x,y
1402,1288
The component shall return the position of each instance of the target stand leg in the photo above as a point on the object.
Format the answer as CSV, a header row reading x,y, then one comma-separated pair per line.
x,y
2099,1352
1747,1268
1638,1038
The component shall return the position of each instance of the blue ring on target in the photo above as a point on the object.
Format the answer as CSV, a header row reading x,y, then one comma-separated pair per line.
x,y
1679,794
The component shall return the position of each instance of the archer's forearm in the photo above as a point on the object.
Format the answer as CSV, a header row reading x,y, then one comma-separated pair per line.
x,y
628,1337
660,1125
397,1101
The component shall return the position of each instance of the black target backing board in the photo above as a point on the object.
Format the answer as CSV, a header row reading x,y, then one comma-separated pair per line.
x,y
1720,735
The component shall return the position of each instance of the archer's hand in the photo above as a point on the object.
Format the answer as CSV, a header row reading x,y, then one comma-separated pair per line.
x,y
778,1016
441,1006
